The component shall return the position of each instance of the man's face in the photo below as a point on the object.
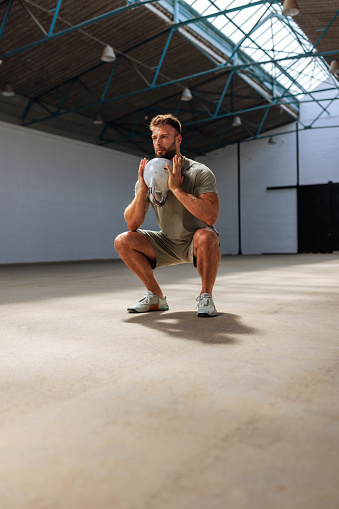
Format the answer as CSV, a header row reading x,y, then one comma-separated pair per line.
x,y
166,141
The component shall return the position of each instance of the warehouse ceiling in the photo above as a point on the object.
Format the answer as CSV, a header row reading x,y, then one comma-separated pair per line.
x,y
239,86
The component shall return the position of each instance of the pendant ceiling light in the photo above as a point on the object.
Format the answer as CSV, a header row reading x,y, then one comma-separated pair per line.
x,y
290,8
108,54
8,90
236,121
186,95
98,119
334,67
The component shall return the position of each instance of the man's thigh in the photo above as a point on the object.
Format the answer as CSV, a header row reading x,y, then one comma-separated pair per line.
x,y
136,241
169,251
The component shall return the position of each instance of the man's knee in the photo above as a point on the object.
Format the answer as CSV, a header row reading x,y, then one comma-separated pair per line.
x,y
119,241
126,240
129,242
206,238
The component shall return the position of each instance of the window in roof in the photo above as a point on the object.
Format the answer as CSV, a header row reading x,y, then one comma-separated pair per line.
x,y
266,35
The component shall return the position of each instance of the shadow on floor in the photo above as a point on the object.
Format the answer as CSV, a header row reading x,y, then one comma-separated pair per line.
x,y
185,324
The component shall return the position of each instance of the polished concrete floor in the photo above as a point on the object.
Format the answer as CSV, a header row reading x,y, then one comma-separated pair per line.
x,y
101,409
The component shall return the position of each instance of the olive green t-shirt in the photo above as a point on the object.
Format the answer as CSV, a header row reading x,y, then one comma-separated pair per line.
x,y
173,218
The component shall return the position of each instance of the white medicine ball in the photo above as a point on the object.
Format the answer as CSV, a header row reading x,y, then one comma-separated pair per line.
x,y
156,174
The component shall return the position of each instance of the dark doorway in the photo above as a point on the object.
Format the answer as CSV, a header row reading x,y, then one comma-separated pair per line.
x,y
318,218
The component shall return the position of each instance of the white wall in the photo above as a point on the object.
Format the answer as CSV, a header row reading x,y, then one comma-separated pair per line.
x,y
60,199
319,146
269,217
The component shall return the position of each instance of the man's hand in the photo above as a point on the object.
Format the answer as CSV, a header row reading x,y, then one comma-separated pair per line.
x,y
175,179
142,186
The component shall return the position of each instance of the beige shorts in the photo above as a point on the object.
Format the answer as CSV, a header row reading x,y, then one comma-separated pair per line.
x,y
169,251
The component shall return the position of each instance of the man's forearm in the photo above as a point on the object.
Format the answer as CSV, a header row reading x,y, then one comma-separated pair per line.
x,y
136,212
205,207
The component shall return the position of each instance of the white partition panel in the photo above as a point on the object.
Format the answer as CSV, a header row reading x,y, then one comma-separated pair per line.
x,y
60,199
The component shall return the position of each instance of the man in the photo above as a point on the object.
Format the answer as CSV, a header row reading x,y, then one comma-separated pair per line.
x,y
186,221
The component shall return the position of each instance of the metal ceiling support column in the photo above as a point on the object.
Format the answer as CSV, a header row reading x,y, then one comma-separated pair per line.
x,y
64,97
227,124
26,110
297,153
110,79
137,122
162,57
102,132
230,78
10,3
239,201
55,17
262,122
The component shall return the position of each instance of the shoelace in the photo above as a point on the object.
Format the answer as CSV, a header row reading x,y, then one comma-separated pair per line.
x,y
145,298
203,301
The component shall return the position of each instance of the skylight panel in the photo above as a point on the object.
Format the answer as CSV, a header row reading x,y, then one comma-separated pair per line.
x,y
220,22
220,4
211,10
264,35
200,5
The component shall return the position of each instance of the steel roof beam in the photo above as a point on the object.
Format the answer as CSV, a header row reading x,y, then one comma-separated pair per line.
x,y
326,29
183,79
162,57
55,17
171,82
230,78
73,28
4,21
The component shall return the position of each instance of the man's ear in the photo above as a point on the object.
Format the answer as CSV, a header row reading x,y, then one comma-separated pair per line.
x,y
179,139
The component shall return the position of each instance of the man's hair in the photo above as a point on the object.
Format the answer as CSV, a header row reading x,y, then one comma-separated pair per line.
x,y
169,119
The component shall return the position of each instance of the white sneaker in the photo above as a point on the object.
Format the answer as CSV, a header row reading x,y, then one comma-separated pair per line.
x,y
206,305
149,302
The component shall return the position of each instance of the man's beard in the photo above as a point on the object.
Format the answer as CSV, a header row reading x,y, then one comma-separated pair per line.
x,y
170,152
